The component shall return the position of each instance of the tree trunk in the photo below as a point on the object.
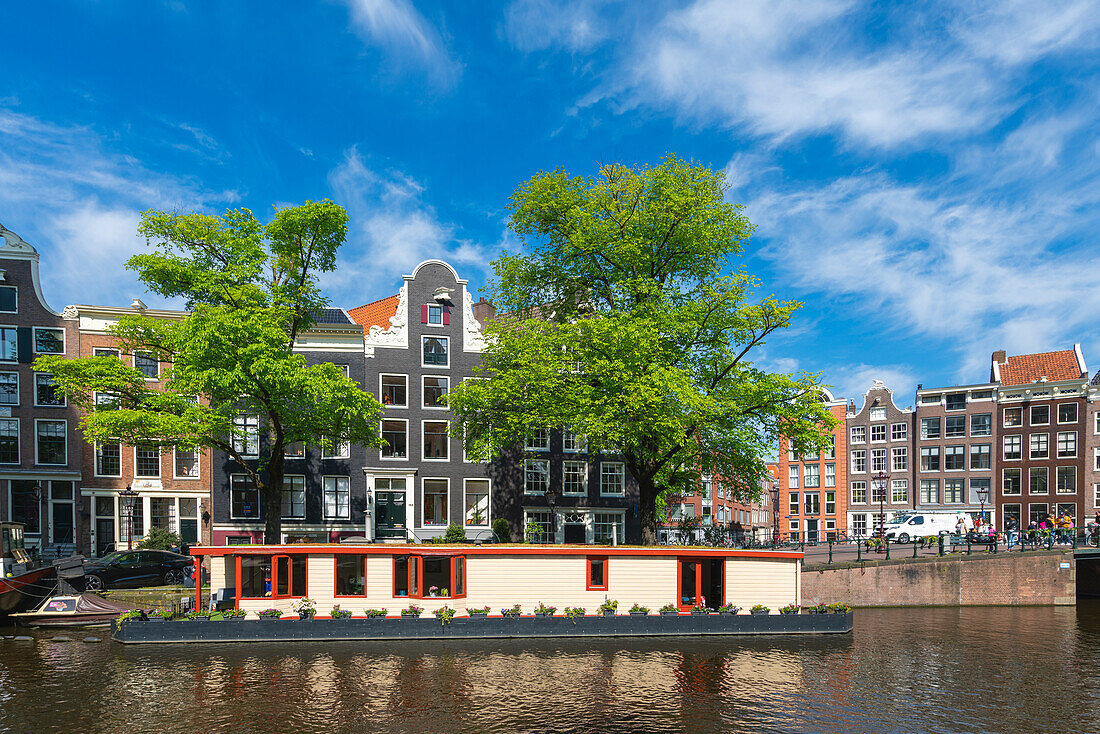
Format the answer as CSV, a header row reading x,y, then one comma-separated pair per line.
x,y
272,492
647,504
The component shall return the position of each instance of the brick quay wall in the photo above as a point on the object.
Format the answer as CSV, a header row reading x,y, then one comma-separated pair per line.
x,y
1002,579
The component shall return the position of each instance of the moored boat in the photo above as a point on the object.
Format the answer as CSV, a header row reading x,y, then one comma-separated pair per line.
x,y
81,610
23,582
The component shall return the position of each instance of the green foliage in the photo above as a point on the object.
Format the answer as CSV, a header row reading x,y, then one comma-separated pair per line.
x,y
251,290
788,609
233,613
455,534
573,613
160,539
544,609
627,321
513,611
532,531
669,608
482,611
759,608
371,613
502,530
609,605
639,609
444,614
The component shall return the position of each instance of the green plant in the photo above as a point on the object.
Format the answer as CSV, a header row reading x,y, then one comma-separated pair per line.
x,y
444,614
574,612
412,611
305,605
729,609
232,613
477,610
532,531
454,534
502,530
371,613
639,609
163,614
700,609
160,539
543,609
338,613
271,613
199,614
513,611
759,608
840,608
789,609
130,614
609,605
669,608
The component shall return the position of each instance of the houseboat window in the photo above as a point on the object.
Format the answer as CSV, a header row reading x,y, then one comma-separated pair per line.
x,y
437,576
689,573
289,576
351,575
405,577
428,576
255,576
597,574
702,581
460,576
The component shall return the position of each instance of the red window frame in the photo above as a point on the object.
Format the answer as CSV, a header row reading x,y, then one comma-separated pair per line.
x,y
335,563
291,591
698,580
416,591
588,585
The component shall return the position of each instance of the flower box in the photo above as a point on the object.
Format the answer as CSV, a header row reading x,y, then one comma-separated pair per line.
x,y
639,614
607,612
304,616
699,613
670,614
758,611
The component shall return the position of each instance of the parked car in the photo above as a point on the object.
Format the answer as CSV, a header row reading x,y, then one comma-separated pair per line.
x,y
123,569
912,525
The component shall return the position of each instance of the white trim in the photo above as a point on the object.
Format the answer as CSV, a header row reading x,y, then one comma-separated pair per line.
x,y
16,289
424,391
34,390
424,442
1076,413
160,467
488,501
305,497
17,385
433,261
324,503
394,458
1080,359
18,445
15,359
421,523
143,353
250,488
447,341
65,434
622,468
64,339
95,461
407,391
198,465
585,474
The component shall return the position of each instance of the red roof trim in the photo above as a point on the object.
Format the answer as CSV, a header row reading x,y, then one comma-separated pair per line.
x,y
491,550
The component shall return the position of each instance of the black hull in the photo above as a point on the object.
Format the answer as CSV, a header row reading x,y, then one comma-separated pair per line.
x,y
27,590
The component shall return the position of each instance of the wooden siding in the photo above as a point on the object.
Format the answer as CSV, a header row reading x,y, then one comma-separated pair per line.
x,y
773,583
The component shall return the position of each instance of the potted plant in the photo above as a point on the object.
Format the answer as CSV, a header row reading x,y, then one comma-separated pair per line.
x,y
233,614
818,609
338,613
699,610
199,616
669,610
638,610
544,611
789,609
305,607
511,613
271,613
374,613
573,613
131,614
759,609
839,608
609,607
444,614
160,615
433,591
412,611
728,609
478,612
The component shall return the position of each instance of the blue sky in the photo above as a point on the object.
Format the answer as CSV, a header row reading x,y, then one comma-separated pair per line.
x,y
924,177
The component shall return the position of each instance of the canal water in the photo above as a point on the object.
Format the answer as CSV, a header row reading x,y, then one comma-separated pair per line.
x,y
1029,669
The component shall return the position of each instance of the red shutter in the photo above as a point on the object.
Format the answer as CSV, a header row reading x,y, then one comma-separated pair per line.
x,y
424,314
446,315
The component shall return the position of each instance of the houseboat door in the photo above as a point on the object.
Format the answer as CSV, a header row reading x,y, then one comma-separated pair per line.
x,y
389,506
702,582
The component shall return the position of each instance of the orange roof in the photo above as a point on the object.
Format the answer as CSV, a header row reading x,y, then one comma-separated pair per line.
x,y
377,313
1024,369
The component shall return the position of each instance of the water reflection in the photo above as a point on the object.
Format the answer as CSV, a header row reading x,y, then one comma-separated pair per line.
x,y
988,669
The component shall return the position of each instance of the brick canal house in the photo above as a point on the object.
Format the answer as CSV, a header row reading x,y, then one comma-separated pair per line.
x,y
955,439
324,495
1092,448
879,460
1042,415
172,486
39,441
810,504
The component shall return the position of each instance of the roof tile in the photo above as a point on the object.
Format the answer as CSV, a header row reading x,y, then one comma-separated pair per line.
x,y
1024,369
377,313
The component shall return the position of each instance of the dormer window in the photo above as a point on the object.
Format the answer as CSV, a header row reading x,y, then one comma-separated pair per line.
x,y
435,313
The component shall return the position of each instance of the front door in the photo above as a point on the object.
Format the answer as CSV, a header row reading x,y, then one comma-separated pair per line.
x,y
811,531
389,515
573,532
104,535
61,522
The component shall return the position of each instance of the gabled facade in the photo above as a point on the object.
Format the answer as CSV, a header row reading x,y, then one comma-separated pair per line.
x,y
880,446
813,501
1042,423
39,440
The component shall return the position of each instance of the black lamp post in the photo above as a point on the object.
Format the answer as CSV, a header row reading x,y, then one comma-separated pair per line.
x,y
128,496
880,480
775,513
983,495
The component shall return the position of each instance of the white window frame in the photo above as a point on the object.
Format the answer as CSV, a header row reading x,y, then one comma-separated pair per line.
x,y
424,505
861,431
405,406
342,450
895,486
1030,477
572,442
583,465
1076,414
812,472
34,339
1031,415
175,465
243,421
1058,445
160,464
877,413
899,458
1058,479
325,492
65,434
488,501
984,434
1038,446
1019,440
17,385
18,444
1020,481
151,356
859,486
424,391
15,355
424,442
882,429
899,435
383,457
1004,417
620,473
305,497
878,459
859,455
447,341
259,509
439,309
537,440
546,471
34,390
16,289
830,475
792,476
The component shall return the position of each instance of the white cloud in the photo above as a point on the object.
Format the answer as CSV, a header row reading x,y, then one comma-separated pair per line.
x,y
532,25
401,29
852,381
391,230
79,204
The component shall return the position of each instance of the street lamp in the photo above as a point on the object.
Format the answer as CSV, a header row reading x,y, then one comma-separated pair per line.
x,y
128,497
983,495
775,513
880,480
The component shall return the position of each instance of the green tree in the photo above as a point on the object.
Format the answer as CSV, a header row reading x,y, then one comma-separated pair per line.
x,y
250,290
625,321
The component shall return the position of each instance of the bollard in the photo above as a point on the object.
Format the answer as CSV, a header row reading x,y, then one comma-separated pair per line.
x,y
994,543
830,551
941,543
859,550
886,541
968,544
914,547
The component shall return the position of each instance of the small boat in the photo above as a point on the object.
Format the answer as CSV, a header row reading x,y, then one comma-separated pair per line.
x,y
81,610
24,584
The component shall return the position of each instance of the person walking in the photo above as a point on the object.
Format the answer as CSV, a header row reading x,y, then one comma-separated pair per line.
x,y
1011,527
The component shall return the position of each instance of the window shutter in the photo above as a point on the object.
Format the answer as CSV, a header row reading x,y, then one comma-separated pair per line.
x,y
424,314
446,315
23,345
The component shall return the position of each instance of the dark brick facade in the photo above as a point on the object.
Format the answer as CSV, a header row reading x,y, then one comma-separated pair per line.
x,y
878,433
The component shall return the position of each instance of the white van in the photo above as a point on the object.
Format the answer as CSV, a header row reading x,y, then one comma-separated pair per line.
x,y
910,525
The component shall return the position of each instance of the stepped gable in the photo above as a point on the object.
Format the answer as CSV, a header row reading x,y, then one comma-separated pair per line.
x,y
377,313
1024,369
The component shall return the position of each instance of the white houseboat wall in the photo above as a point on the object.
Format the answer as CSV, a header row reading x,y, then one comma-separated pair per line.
x,y
360,578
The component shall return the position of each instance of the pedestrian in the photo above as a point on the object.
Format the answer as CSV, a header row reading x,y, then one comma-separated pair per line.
x,y
1011,526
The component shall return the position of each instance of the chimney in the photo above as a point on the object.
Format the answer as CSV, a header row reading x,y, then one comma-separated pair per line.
x,y
998,359
484,311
